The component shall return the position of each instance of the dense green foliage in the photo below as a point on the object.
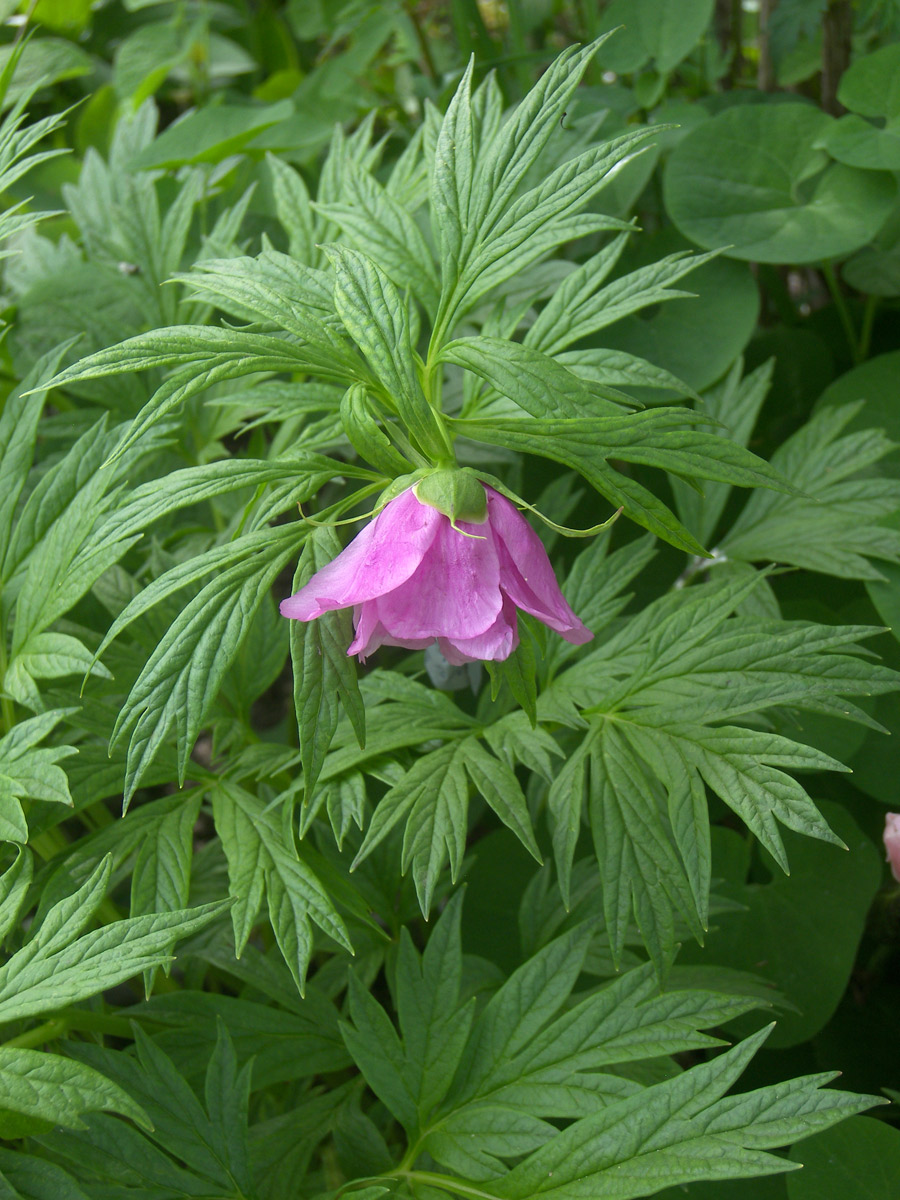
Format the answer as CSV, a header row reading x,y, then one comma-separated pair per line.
x,y
275,925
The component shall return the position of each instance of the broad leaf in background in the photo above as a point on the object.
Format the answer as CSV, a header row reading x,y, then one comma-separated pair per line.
x,y
859,1160
753,182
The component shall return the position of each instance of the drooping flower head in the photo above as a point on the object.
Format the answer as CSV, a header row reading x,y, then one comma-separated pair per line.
x,y
456,573
892,842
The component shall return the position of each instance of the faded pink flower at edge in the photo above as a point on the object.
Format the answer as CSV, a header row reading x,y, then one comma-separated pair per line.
x,y
892,842
411,577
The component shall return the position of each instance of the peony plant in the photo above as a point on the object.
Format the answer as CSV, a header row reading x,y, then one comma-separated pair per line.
x,y
241,959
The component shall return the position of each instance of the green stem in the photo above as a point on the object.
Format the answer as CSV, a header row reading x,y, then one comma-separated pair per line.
x,y
433,385
448,1184
23,28
519,46
865,333
421,37
843,311
50,1031
80,1020
49,843
97,816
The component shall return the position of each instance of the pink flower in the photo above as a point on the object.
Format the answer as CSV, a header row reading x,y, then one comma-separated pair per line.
x,y
892,842
412,577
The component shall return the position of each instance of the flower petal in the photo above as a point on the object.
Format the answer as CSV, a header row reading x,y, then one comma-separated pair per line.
x,y
380,558
495,644
454,593
526,575
370,633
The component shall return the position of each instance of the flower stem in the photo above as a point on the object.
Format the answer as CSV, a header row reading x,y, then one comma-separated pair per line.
x,y
447,1183
865,333
49,1031
840,304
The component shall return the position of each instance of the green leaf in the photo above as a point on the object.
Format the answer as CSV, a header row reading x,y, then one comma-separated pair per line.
x,y
209,134
14,885
654,437
56,1089
656,686
835,526
367,437
184,673
378,1052
30,772
436,823
517,1013
18,431
35,1179
533,380
735,402
206,355
751,181
144,58
262,861
184,574
433,1026
857,1160
161,875
594,585
42,62
227,1096
49,656
268,289
545,217
54,493
74,553
386,232
723,294
583,306
451,181
292,204
477,173
377,318
869,85
497,783
640,860
57,967
858,143
306,472
819,910
210,1140
519,673
433,798
551,1059
526,132
668,35
681,1131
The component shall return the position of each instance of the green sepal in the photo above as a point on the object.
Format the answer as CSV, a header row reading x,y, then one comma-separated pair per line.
x,y
563,529
397,486
456,492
